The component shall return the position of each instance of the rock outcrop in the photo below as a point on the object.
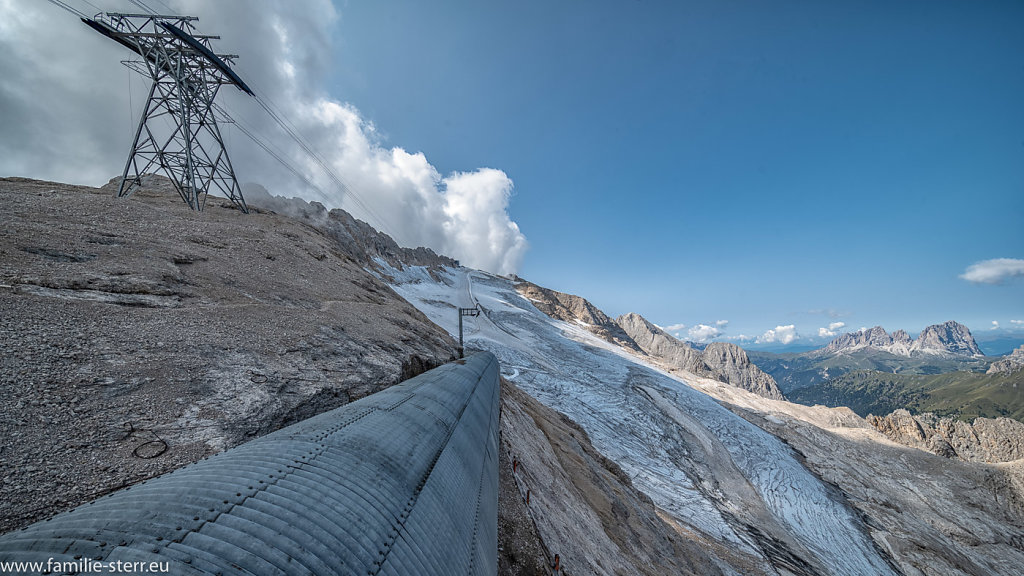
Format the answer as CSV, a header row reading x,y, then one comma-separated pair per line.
x,y
722,361
576,310
984,440
1012,362
357,238
661,345
585,508
729,363
950,339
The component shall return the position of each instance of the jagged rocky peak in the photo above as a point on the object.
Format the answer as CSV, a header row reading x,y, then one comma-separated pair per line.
x,y
359,239
947,339
722,361
875,337
577,310
901,336
731,364
1012,362
659,344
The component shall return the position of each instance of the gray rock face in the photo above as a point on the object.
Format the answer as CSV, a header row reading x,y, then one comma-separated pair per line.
x,y
950,339
135,324
360,240
947,338
656,342
984,440
729,363
577,310
722,361
1013,362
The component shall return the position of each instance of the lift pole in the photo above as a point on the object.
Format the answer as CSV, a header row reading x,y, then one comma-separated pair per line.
x,y
474,311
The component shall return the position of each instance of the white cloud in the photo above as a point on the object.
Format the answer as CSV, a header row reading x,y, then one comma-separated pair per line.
x,y
995,325
781,334
675,329
73,104
703,333
831,330
994,271
1017,322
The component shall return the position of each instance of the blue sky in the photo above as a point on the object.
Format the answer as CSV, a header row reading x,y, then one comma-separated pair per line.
x,y
743,161
730,168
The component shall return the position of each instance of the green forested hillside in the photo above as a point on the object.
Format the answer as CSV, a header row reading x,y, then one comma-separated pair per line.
x,y
963,395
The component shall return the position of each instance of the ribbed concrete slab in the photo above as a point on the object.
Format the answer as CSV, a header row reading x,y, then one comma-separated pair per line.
x,y
403,482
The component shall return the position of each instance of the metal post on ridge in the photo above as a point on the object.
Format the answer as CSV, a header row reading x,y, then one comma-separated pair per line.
x,y
186,76
474,311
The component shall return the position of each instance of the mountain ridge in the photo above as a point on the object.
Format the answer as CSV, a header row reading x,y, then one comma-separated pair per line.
x,y
949,339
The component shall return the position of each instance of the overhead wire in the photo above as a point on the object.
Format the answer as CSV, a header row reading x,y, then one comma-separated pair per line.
x,y
269,148
338,181
142,5
68,7
279,118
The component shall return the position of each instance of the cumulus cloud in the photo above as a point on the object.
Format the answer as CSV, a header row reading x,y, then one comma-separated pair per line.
x,y
831,330
780,334
722,323
65,99
994,271
674,329
703,333
1017,322
995,325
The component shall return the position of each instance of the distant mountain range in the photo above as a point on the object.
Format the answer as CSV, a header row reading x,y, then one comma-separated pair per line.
x,y
950,340
873,371
722,361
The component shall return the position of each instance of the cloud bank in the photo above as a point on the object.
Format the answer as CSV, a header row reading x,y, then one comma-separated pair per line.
x,y
781,334
65,100
994,271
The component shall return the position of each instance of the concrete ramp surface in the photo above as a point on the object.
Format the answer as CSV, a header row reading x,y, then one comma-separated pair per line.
x,y
403,482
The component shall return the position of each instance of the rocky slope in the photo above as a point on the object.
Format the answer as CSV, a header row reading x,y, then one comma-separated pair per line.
x,y
571,308
950,339
659,344
765,486
1013,362
721,361
984,440
355,237
138,336
584,507
726,362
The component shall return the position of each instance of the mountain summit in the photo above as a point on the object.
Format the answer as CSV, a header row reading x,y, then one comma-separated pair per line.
x,y
950,339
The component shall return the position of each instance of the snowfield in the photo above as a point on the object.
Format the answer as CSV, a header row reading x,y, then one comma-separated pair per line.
x,y
712,470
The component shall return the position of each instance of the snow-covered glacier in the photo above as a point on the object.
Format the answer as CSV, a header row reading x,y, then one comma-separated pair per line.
x,y
712,470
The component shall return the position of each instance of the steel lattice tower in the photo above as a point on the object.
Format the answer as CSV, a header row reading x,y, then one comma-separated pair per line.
x,y
178,131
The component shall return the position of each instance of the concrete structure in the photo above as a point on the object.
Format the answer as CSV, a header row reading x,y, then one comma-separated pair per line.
x,y
403,482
